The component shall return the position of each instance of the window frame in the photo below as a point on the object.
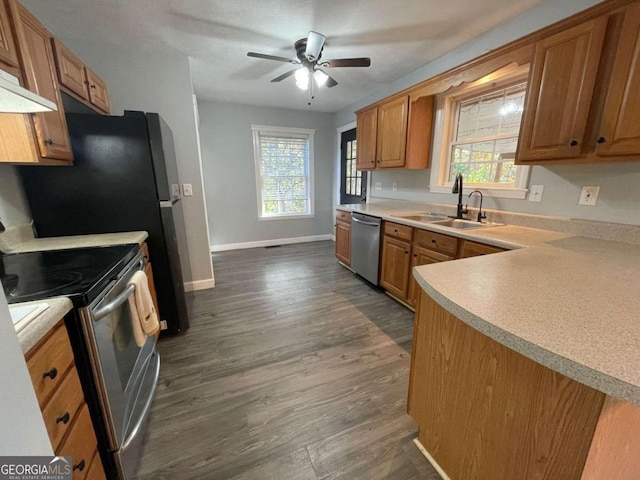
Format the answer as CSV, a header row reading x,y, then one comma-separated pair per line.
x,y
290,132
445,123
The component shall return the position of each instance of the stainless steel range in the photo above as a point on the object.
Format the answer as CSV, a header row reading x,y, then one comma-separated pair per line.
x,y
119,377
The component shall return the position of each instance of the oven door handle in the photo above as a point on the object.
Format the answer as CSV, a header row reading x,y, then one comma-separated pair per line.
x,y
115,303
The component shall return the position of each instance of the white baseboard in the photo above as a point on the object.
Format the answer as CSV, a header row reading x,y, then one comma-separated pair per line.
x,y
269,243
199,285
333,238
431,460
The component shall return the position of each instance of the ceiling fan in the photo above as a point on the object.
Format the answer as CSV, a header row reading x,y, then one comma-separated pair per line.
x,y
310,63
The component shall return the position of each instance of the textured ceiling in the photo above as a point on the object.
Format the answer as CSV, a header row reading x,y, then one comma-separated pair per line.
x,y
399,36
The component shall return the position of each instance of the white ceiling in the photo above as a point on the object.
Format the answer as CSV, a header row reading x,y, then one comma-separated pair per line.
x,y
399,36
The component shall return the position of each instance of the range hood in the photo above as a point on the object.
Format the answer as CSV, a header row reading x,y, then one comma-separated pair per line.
x,y
16,99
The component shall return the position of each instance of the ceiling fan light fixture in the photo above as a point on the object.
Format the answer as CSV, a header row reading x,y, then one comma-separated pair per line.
x,y
302,78
320,77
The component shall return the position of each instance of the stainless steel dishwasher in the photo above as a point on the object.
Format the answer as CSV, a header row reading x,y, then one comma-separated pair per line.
x,y
365,246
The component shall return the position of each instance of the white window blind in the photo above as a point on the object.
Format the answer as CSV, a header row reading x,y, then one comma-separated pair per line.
x,y
284,172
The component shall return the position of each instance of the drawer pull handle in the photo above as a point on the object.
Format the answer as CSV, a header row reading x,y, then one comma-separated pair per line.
x,y
80,465
48,141
601,140
53,373
573,143
433,241
64,418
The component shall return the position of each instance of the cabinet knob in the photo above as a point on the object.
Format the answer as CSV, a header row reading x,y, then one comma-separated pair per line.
x,y
53,373
433,241
64,418
93,85
601,140
378,161
415,254
573,143
87,82
80,465
406,252
48,141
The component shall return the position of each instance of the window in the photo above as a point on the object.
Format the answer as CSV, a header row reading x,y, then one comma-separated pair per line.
x,y
284,172
485,137
477,128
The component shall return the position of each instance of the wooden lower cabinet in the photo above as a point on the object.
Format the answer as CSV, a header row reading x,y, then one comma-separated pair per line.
x,y
66,416
396,266
148,270
421,256
475,249
485,411
343,243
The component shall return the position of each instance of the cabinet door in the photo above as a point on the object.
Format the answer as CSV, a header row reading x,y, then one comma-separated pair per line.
x,y
40,77
421,256
419,133
98,94
392,133
71,72
620,130
366,130
152,286
343,243
559,93
8,53
396,265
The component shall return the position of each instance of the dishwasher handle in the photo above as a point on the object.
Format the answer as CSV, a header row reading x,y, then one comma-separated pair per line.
x,y
365,223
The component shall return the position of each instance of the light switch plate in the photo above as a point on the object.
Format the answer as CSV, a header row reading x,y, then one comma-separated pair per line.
x,y
535,193
589,195
378,186
175,190
395,186
187,190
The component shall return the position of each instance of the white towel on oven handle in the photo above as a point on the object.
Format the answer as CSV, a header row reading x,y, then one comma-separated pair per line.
x,y
144,317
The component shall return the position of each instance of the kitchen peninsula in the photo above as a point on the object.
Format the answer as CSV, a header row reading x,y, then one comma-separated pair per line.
x,y
531,369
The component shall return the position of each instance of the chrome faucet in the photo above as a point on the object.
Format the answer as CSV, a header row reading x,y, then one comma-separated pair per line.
x,y
457,188
481,216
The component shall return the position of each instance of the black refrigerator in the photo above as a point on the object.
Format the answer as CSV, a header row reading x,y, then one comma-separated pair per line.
x,y
124,178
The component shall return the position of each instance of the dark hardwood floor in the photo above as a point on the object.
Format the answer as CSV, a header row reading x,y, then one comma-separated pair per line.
x,y
293,369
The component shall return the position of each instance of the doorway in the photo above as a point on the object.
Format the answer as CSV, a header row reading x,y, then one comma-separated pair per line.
x,y
353,183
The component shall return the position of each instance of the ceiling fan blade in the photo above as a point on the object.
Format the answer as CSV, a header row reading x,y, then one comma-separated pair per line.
x,y
347,62
270,57
284,75
315,42
331,82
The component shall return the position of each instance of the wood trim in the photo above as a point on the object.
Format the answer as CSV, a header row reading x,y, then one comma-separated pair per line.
x,y
501,56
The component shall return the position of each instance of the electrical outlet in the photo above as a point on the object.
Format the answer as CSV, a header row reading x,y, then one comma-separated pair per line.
x,y
163,325
535,193
187,190
395,186
175,190
589,195
378,186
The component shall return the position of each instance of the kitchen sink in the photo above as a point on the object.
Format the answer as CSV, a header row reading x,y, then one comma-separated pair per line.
x,y
422,217
466,224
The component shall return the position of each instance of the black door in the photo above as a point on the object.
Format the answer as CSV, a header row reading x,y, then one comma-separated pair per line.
x,y
353,184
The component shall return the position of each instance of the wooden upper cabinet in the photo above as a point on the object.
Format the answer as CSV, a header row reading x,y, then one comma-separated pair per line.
x,y
98,95
419,132
366,132
8,51
392,133
78,80
36,57
559,92
71,71
620,130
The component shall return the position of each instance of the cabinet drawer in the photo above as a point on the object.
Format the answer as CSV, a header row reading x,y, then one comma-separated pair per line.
x,y
438,242
396,230
61,411
474,249
342,216
49,362
81,444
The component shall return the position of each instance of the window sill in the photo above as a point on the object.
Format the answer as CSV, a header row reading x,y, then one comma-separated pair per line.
x,y
286,217
516,193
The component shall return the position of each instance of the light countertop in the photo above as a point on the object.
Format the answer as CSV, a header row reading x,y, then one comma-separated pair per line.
x,y
79,241
569,303
38,327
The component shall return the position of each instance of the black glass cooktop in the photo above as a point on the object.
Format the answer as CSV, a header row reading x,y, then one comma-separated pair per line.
x,y
79,273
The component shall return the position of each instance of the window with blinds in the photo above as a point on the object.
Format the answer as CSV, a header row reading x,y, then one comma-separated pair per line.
x,y
284,171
